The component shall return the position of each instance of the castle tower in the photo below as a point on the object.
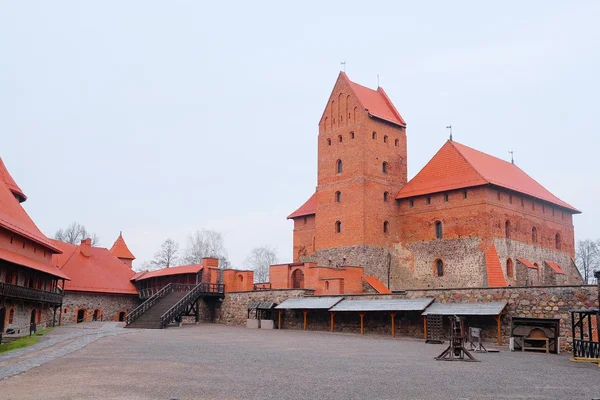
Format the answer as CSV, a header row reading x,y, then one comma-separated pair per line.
x,y
362,155
120,250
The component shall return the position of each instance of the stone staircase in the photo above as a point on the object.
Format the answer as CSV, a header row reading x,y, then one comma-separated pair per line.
x,y
151,318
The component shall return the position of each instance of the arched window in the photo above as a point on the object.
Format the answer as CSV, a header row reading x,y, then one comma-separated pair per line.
x,y
340,168
326,285
386,195
338,226
557,241
374,135
325,125
507,229
351,135
338,197
386,227
97,315
439,267
438,230
340,138
11,315
298,279
396,143
240,278
534,235
384,167
510,269
122,315
385,139
328,142
446,197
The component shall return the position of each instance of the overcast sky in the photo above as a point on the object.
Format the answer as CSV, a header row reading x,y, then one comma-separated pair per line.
x,y
160,118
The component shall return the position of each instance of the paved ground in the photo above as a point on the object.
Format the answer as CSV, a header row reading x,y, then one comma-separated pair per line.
x,y
219,362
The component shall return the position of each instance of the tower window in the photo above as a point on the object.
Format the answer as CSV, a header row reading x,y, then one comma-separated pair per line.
x,y
428,200
522,202
328,142
386,227
384,167
351,135
498,195
445,197
340,167
338,226
507,229
396,143
439,267
464,194
510,198
374,135
438,230
534,235
385,196
411,203
385,139
338,197
510,270
340,138
557,241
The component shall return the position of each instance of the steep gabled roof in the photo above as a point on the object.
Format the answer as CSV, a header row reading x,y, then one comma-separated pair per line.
x,y
119,249
456,166
376,284
10,182
14,218
308,208
101,272
28,262
183,269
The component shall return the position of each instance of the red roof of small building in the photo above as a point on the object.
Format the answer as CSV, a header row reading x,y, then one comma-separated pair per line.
x,y
376,102
555,267
308,208
527,263
25,261
376,284
495,276
184,269
456,166
119,249
10,182
101,272
14,218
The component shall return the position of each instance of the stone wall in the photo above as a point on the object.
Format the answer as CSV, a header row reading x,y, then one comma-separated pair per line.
x,y
538,302
108,305
21,316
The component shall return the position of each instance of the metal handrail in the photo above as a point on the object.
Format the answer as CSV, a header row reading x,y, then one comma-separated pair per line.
x,y
142,308
23,292
189,298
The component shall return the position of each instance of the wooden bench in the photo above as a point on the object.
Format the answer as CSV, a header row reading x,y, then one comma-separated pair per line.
x,y
544,341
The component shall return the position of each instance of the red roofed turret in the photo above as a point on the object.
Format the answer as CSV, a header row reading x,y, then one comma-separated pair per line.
x,y
120,250
10,183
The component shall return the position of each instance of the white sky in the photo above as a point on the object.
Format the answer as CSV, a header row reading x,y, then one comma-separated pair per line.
x,y
160,118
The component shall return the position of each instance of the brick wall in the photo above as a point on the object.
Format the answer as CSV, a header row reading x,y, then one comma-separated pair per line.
x,y
304,236
108,305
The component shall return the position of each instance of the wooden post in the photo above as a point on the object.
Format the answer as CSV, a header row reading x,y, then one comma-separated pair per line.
x,y
332,321
279,319
362,323
305,323
499,329
393,315
425,326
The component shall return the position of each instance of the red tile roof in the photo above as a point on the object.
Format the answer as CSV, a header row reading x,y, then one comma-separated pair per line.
x,y
25,261
10,182
376,102
555,267
527,263
456,166
376,284
308,208
138,275
14,218
101,272
495,276
119,249
184,269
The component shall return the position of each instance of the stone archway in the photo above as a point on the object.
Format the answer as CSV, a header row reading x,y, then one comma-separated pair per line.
x,y
80,315
298,279
122,316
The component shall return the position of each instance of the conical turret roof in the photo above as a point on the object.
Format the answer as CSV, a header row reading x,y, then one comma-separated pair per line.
x,y
120,250
10,183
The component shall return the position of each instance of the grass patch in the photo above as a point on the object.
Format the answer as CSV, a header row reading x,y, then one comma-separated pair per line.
x,y
25,341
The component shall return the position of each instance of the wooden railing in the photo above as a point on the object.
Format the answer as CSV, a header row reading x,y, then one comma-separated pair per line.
x,y
142,308
22,292
197,291
586,349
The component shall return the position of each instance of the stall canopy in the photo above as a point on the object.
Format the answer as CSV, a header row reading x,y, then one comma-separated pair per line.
x,y
260,305
309,303
492,308
383,305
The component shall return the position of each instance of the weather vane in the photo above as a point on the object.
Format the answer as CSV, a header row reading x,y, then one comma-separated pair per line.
x,y
512,156
344,64
449,127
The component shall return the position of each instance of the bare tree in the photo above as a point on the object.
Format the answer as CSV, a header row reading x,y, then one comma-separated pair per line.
x,y
206,243
75,233
259,260
167,255
588,258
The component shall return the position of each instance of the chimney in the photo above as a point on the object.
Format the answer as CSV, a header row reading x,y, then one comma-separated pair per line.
x,y
86,246
210,262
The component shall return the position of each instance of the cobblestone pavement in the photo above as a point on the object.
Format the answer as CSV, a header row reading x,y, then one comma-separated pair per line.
x,y
59,342
221,362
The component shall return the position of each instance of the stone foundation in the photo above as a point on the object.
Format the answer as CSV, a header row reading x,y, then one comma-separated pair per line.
x,y
108,306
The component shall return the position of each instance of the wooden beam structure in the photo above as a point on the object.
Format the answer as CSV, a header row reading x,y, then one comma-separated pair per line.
x,y
425,327
393,315
305,319
332,322
279,319
498,322
362,323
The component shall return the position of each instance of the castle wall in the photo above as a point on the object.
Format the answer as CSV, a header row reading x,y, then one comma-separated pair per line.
x,y
304,236
108,305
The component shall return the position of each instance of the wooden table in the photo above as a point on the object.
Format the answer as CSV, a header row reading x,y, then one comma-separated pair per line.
x,y
545,344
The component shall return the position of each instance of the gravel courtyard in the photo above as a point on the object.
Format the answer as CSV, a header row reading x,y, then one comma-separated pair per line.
x,y
219,362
